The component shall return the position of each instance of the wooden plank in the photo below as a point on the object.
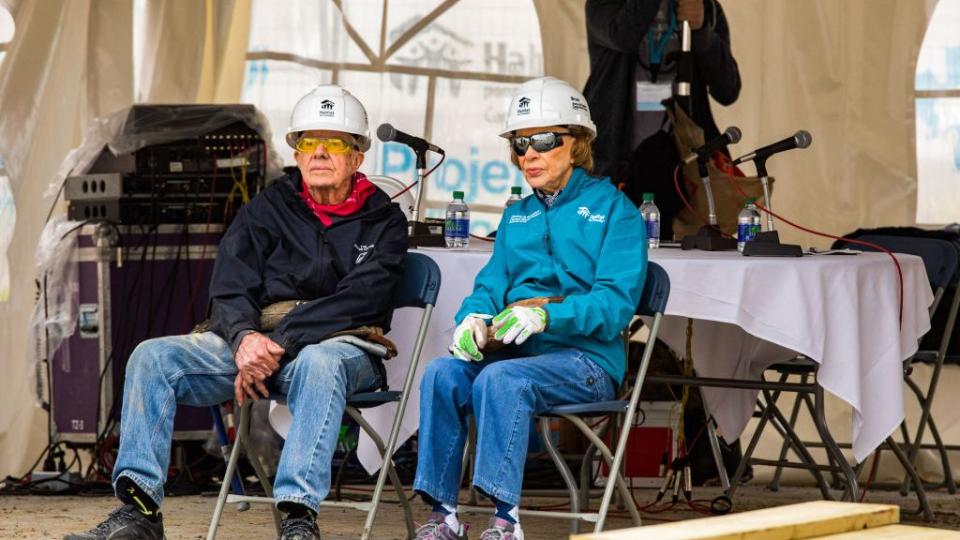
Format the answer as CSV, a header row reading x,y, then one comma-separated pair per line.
x,y
791,522
897,532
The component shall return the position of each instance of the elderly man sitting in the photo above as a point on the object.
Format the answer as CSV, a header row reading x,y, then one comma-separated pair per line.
x,y
323,235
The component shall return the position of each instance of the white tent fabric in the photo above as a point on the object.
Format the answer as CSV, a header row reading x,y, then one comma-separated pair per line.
x,y
69,62
842,70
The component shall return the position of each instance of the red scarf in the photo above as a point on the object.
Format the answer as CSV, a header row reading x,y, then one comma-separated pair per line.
x,y
362,190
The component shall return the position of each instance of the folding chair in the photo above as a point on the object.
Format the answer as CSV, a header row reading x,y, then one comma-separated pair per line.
x,y
653,302
418,288
942,262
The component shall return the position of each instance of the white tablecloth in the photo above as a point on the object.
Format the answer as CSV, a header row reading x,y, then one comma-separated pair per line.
x,y
839,310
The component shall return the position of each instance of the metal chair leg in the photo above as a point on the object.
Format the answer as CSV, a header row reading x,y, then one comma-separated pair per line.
x,y
467,462
918,485
619,483
564,472
254,458
820,421
231,468
586,467
774,484
398,418
948,480
586,476
357,417
751,447
799,448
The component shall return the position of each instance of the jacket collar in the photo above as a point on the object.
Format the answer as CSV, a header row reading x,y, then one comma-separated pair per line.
x,y
292,183
574,186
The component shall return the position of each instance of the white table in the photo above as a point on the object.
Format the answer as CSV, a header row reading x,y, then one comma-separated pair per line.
x,y
838,310
749,312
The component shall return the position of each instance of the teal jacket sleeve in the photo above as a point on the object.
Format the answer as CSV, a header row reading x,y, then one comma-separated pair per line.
x,y
490,288
621,268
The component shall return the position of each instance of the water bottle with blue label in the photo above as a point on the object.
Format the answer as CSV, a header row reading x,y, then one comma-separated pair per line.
x,y
748,224
651,218
456,229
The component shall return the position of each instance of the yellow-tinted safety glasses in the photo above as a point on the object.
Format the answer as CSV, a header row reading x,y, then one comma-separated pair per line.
x,y
334,145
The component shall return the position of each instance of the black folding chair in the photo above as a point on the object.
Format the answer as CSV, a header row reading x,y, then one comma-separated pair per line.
x,y
419,288
941,260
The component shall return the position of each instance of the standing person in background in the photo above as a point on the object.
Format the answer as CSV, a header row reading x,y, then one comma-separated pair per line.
x,y
634,46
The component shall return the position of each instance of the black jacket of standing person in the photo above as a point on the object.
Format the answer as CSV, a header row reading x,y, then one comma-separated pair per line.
x,y
615,34
276,249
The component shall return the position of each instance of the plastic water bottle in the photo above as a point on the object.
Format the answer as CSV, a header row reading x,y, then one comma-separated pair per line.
x,y
515,196
748,224
651,217
456,229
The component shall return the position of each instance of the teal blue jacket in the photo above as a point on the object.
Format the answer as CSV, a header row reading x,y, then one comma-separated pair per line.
x,y
589,247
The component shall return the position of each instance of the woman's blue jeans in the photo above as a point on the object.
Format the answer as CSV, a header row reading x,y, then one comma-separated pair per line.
x,y
503,395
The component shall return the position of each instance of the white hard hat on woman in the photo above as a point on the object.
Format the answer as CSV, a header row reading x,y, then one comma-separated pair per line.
x,y
547,101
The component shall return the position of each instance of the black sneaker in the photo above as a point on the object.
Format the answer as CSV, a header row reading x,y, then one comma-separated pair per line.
x,y
124,523
299,528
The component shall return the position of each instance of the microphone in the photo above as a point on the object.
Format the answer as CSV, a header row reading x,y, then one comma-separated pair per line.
x,y
800,139
730,136
387,133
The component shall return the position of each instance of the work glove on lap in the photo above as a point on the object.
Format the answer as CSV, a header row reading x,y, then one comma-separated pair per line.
x,y
516,324
470,337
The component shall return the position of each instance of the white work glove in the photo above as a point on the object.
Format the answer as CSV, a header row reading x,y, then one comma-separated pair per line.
x,y
470,337
516,324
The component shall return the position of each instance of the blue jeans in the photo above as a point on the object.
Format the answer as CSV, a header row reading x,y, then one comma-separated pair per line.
x,y
503,395
199,370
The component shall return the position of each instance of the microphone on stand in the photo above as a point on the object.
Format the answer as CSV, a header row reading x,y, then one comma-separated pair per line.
x,y
387,133
730,136
420,234
800,139
770,244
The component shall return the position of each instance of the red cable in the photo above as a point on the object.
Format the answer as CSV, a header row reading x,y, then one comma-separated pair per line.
x,y
703,219
428,173
873,473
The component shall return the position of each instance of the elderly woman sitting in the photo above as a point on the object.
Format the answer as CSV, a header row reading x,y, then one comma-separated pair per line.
x,y
542,325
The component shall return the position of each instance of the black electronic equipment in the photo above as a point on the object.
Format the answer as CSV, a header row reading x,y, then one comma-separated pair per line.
x,y
211,159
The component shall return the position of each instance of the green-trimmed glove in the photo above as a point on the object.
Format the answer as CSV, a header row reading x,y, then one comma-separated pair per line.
x,y
470,337
516,324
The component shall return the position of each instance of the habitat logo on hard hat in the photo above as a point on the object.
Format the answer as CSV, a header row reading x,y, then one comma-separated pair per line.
x,y
327,107
523,106
577,104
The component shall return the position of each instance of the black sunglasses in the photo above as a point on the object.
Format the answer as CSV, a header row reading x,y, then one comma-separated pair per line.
x,y
541,142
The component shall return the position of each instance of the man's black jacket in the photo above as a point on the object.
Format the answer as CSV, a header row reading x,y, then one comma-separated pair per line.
x,y
276,249
615,29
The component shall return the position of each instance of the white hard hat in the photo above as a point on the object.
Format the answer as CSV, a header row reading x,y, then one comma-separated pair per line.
x,y
329,106
547,101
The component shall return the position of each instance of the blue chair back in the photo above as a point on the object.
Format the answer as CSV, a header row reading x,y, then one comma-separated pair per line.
x,y
941,258
656,291
420,284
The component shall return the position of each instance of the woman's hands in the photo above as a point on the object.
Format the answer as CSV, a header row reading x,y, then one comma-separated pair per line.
x,y
516,324
470,337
